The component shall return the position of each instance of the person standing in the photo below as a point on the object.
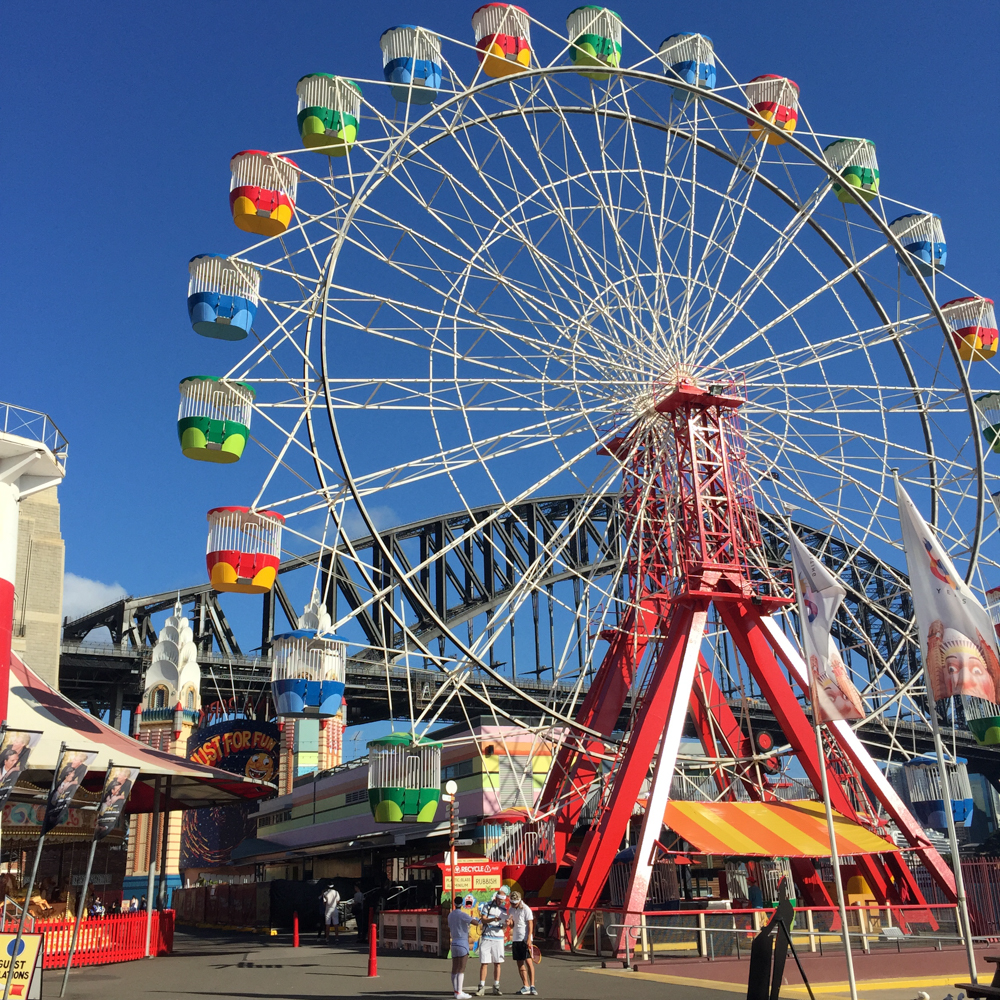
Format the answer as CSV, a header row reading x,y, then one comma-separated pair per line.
x,y
459,921
522,923
360,916
331,912
493,920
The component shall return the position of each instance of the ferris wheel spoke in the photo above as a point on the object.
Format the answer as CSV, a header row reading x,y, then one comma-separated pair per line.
x,y
779,364
714,327
791,310
734,209
473,453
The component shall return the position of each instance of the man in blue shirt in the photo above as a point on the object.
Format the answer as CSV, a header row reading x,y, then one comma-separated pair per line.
x,y
493,921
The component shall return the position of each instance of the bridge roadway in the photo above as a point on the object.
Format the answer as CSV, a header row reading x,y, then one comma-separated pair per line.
x,y
368,696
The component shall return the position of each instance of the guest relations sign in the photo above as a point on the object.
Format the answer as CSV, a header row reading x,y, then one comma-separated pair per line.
x,y
26,979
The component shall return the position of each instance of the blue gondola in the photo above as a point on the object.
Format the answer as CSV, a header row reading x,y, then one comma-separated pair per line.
x,y
923,240
307,673
691,57
411,63
222,296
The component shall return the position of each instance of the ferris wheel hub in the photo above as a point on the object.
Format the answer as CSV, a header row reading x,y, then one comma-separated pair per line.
x,y
689,393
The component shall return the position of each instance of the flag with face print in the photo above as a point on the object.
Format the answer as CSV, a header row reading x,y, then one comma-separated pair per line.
x,y
957,638
820,594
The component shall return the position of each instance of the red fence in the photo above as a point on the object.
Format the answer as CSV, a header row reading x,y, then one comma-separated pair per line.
x,y
982,889
103,940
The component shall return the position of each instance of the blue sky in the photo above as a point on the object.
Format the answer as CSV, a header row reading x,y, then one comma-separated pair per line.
x,y
118,122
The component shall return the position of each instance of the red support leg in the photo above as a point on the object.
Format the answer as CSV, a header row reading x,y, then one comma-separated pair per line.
x,y
574,770
715,723
604,838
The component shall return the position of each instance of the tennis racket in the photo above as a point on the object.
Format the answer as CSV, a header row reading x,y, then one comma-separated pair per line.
x,y
536,955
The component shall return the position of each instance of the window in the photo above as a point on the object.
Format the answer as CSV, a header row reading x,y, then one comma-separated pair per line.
x,y
275,817
189,700
159,697
460,770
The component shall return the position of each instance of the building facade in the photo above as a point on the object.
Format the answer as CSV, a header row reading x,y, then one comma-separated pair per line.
x,y
38,587
323,827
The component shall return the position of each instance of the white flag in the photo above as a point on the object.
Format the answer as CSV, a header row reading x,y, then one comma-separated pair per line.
x,y
957,639
820,593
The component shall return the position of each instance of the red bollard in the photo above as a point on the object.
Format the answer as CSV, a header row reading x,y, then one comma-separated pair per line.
x,y
372,942
295,929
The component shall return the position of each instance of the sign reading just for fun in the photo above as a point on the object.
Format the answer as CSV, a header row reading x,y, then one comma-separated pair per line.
x,y
242,746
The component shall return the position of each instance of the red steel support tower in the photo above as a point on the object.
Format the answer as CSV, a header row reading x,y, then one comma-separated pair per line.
x,y
693,540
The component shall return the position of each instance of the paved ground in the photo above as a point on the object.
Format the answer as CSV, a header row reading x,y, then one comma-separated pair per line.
x,y
221,968
241,966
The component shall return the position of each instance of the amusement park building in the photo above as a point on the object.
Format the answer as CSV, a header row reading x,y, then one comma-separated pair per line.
x,y
324,827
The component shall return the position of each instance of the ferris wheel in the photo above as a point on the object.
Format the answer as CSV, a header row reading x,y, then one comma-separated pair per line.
x,y
509,267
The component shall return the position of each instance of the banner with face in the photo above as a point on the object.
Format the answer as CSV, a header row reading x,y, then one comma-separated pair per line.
x,y
118,784
957,638
820,595
14,753
71,769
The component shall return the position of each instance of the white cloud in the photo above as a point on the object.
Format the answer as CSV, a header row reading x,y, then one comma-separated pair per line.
x,y
81,595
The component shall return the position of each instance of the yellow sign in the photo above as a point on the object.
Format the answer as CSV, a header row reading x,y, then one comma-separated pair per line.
x,y
462,882
492,881
26,982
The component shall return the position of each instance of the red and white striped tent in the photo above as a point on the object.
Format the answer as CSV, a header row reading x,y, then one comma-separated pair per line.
x,y
33,705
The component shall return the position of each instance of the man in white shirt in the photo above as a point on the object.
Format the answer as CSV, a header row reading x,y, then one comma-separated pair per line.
x,y
493,920
459,921
522,922
331,912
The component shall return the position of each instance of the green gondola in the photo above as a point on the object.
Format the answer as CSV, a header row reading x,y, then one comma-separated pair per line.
x,y
404,778
213,422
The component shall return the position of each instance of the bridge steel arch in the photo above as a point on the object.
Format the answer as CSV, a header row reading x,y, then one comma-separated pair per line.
x,y
465,584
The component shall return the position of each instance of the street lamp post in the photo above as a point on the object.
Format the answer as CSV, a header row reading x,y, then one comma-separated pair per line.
x,y
451,797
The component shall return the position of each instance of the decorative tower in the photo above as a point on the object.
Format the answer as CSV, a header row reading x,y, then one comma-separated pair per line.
x,y
166,718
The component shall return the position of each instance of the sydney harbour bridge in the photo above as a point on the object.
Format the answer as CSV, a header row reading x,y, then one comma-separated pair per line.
x,y
465,584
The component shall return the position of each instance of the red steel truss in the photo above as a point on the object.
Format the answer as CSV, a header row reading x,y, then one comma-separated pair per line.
x,y
693,541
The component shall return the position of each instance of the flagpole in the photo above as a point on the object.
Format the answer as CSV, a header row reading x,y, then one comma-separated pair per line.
x,y
81,906
838,882
154,833
956,861
834,856
31,885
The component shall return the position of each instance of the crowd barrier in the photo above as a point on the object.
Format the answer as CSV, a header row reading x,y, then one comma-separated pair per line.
x,y
103,940
719,932
240,905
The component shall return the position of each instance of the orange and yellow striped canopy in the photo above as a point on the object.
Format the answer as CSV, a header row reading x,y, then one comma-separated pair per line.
x,y
769,829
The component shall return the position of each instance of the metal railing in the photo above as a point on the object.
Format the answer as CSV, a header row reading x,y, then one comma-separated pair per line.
x,y
15,914
36,426
719,933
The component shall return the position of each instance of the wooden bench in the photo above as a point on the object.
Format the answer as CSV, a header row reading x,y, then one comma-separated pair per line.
x,y
980,990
